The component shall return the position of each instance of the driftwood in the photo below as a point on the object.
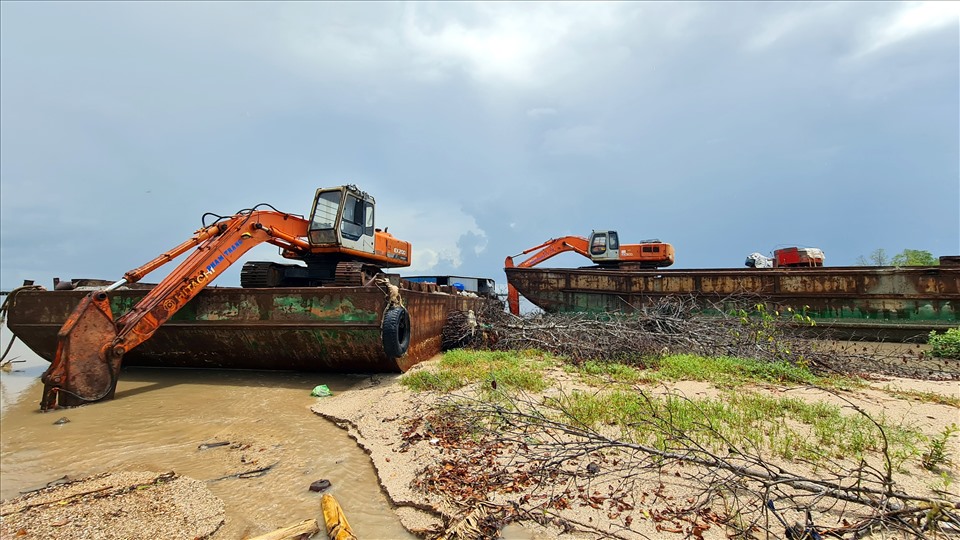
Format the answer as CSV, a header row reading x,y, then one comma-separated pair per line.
x,y
255,473
97,493
521,457
62,500
304,529
336,522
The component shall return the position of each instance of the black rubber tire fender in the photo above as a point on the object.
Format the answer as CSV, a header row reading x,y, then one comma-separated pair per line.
x,y
396,332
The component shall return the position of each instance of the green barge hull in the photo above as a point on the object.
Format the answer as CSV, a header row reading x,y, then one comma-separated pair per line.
x,y
329,329
877,303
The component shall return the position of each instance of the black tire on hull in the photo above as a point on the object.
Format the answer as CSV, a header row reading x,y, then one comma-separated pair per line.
x,y
396,332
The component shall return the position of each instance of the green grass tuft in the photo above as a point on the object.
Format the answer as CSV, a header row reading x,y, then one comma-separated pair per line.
x,y
521,370
784,426
725,371
612,370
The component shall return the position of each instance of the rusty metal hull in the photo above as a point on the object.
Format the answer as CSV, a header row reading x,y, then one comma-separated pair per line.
x,y
866,302
330,329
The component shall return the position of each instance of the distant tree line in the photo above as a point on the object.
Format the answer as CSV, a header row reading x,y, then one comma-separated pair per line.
x,y
907,257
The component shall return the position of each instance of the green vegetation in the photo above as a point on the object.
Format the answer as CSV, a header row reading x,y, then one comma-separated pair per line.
x,y
946,345
511,370
723,372
926,397
914,257
937,453
764,328
615,371
907,257
786,427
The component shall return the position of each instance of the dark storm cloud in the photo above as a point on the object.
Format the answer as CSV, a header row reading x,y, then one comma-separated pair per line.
x,y
481,129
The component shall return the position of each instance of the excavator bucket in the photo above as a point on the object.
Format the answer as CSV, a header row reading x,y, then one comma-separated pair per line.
x,y
86,366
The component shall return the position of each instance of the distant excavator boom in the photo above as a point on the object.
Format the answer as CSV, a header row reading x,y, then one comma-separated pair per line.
x,y
603,248
548,249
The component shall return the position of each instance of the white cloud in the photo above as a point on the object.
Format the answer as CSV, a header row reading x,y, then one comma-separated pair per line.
x,y
541,112
503,46
783,26
512,44
912,19
433,229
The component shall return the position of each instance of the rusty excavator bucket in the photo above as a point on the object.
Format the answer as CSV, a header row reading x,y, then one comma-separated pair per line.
x,y
87,363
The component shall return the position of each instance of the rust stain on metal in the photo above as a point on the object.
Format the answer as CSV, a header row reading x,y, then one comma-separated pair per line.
x,y
85,367
926,297
334,329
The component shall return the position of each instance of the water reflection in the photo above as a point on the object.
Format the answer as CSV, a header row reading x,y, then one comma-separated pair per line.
x,y
25,368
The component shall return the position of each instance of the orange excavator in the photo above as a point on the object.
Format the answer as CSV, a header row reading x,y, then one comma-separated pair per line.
x,y
603,248
338,244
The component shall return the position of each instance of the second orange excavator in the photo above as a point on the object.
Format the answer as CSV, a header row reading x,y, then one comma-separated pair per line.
x,y
603,248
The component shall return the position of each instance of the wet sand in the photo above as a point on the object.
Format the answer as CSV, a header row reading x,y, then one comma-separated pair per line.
x,y
161,417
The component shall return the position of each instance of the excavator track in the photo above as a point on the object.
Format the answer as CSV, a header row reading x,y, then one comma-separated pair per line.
x,y
258,274
354,274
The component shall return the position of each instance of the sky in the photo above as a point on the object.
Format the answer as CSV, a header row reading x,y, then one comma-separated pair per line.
x,y
481,129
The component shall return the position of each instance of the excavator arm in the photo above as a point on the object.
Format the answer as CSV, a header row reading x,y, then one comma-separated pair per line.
x,y
548,249
91,344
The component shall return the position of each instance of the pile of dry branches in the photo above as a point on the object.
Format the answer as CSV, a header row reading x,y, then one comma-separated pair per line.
x,y
677,326
521,458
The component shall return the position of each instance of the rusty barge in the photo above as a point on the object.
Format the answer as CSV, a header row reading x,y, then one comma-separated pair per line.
x,y
328,329
874,303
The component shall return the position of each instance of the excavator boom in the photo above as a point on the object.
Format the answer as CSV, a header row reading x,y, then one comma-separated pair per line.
x,y
548,249
91,343
603,248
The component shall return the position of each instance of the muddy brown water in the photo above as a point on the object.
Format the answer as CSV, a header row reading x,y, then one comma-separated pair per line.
x,y
161,417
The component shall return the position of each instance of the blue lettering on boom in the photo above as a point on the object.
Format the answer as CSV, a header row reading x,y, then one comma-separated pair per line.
x,y
216,262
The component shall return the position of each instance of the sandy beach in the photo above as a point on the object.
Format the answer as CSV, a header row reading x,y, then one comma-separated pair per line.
x,y
385,419
440,483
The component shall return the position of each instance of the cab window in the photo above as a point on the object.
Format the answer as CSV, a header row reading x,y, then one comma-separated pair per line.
x,y
599,245
325,214
368,218
324,218
614,242
352,225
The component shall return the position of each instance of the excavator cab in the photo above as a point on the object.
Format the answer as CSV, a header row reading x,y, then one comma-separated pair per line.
x,y
345,248
607,251
342,229
342,216
604,246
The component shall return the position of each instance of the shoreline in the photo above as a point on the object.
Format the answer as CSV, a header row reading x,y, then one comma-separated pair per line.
x,y
437,480
386,421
